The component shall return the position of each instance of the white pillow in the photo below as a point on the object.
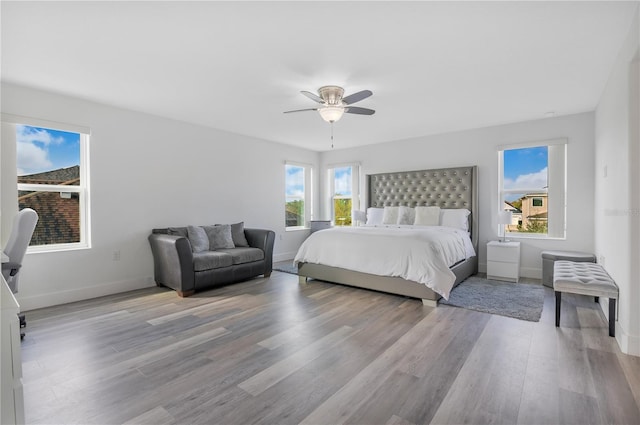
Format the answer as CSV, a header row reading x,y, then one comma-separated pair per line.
x,y
375,215
456,218
390,215
406,215
427,216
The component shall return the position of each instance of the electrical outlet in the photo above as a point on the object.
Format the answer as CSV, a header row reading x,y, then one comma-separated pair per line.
x,y
601,260
116,255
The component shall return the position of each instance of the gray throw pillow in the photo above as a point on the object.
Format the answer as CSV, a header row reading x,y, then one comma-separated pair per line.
x,y
198,238
219,236
237,234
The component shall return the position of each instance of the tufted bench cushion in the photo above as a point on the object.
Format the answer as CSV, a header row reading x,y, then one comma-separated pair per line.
x,y
550,257
584,279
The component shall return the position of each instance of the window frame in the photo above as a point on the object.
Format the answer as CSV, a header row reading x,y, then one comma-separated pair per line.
x,y
83,188
556,190
355,189
307,197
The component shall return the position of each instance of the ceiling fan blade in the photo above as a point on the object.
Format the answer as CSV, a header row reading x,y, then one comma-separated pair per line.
x,y
359,111
357,97
312,96
301,110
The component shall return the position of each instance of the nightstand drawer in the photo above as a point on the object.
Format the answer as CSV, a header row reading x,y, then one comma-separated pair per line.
x,y
496,269
507,254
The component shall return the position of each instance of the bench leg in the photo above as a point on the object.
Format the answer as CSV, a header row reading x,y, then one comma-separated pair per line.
x,y
612,317
558,302
596,299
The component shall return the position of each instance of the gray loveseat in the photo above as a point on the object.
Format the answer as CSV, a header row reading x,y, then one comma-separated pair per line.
x,y
181,263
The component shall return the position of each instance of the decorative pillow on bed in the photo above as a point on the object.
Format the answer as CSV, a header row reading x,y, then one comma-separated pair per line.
x,y
375,215
198,239
456,218
390,215
427,216
406,215
219,236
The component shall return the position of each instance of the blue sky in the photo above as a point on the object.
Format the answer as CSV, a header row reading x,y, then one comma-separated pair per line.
x,y
294,182
526,168
41,149
343,181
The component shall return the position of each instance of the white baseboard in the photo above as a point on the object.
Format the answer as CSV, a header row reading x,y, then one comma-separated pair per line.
x,y
530,272
284,256
629,344
72,295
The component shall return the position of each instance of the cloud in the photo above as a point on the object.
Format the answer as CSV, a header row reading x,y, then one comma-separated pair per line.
x,y
32,154
532,181
32,159
294,182
343,182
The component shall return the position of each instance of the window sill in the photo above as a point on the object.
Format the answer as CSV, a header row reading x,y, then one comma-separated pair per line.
x,y
295,229
512,236
57,248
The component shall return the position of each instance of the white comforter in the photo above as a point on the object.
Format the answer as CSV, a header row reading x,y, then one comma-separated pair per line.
x,y
421,254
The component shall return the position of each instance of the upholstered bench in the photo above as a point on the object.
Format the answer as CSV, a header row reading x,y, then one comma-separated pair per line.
x,y
585,279
550,257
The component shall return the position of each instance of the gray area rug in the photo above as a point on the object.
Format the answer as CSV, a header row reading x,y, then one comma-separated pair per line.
x,y
285,266
522,301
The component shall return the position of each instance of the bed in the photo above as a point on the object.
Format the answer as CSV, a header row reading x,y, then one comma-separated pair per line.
x,y
447,188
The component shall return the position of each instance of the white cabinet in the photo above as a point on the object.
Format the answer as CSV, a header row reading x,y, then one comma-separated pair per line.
x,y
503,260
12,411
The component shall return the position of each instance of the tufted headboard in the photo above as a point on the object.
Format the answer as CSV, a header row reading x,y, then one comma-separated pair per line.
x,y
445,187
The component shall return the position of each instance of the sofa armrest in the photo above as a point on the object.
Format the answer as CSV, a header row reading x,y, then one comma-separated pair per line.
x,y
263,239
173,262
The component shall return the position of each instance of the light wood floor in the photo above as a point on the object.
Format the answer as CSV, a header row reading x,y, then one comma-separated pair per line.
x,y
276,352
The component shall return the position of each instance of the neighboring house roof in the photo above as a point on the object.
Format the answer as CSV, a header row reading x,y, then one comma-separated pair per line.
x,y
542,215
508,206
58,217
531,195
70,175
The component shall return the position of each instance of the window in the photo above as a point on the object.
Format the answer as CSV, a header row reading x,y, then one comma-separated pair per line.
x,y
532,187
51,167
297,195
344,194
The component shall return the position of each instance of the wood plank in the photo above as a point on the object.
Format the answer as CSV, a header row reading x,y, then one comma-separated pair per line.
x,y
101,361
615,399
276,373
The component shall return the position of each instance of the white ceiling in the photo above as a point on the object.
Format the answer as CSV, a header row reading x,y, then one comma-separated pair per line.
x,y
433,67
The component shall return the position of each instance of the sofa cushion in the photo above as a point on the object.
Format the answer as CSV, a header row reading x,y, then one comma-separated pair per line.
x,y
208,260
219,236
244,255
177,231
198,239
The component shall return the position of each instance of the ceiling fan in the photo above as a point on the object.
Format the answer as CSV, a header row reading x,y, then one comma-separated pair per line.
x,y
334,105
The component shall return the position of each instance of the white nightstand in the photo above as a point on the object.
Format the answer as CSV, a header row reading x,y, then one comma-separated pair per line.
x,y
503,260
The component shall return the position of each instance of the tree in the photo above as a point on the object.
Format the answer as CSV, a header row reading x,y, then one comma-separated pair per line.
x,y
342,209
534,226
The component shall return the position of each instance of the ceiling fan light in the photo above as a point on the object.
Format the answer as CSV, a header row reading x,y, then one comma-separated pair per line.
x,y
331,113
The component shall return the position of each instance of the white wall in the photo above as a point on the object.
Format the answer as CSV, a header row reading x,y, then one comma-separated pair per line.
x,y
148,172
617,191
479,147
